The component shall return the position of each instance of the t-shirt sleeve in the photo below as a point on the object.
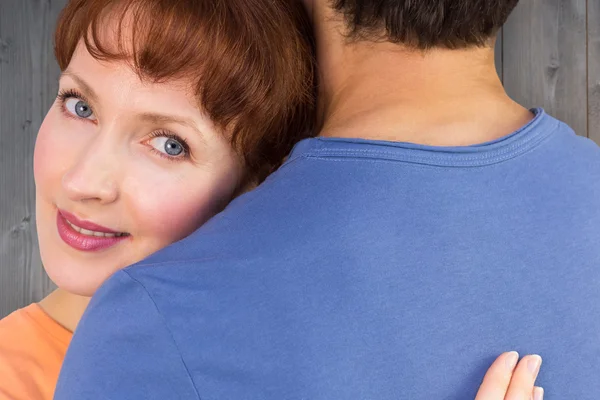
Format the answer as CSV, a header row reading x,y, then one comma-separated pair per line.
x,y
122,349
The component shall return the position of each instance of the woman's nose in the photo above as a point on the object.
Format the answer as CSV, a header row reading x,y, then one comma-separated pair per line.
x,y
93,177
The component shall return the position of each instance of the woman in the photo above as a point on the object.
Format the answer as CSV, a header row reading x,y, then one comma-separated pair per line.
x,y
166,111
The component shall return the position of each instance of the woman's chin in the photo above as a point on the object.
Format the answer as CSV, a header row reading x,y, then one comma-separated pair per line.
x,y
75,278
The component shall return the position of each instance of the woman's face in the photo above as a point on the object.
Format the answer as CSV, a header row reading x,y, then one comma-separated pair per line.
x,y
123,168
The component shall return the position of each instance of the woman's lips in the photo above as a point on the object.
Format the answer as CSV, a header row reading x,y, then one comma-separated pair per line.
x,y
84,224
86,236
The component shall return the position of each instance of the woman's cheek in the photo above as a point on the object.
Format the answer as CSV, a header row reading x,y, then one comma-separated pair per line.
x,y
45,160
171,210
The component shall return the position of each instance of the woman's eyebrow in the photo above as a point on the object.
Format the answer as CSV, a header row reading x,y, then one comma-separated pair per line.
x,y
154,118
159,119
84,86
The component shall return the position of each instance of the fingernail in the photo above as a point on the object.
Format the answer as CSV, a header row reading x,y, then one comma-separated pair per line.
x,y
533,364
511,360
538,393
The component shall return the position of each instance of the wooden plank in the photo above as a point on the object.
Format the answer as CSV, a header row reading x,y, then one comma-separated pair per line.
x,y
545,58
594,70
28,85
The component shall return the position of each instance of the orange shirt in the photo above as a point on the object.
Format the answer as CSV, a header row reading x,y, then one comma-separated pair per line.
x,y
32,349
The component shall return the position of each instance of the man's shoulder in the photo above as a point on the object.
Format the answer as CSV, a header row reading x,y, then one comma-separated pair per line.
x,y
574,158
574,141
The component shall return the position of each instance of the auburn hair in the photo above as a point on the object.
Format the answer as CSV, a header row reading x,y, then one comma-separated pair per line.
x,y
250,62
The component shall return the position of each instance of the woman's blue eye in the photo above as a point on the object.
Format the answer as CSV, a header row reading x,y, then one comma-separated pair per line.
x,y
168,146
79,108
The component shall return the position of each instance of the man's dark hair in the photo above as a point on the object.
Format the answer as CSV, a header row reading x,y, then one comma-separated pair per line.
x,y
426,24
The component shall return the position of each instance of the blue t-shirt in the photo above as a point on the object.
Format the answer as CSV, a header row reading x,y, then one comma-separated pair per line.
x,y
366,270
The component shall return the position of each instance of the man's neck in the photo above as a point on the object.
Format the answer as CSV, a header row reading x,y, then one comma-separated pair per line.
x,y
383,91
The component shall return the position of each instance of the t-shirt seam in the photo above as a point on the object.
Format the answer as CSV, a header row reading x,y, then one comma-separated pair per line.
x,y
425,165
289,162
470,161
168,330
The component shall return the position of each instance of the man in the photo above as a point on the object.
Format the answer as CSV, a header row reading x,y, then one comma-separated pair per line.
x,y
433,224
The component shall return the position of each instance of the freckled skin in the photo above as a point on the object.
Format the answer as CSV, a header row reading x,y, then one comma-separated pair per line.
x,y
112,172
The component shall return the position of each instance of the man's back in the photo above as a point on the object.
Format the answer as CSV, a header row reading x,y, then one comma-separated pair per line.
x,y
368,270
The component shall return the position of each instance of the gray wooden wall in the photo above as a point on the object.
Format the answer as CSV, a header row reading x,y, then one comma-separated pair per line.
x,y
548,55
28,85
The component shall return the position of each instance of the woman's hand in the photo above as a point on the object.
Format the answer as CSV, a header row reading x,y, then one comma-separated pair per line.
x,y
505,380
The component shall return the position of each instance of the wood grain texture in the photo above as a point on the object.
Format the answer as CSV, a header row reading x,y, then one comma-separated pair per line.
x,y
28,85
594,70
545,58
